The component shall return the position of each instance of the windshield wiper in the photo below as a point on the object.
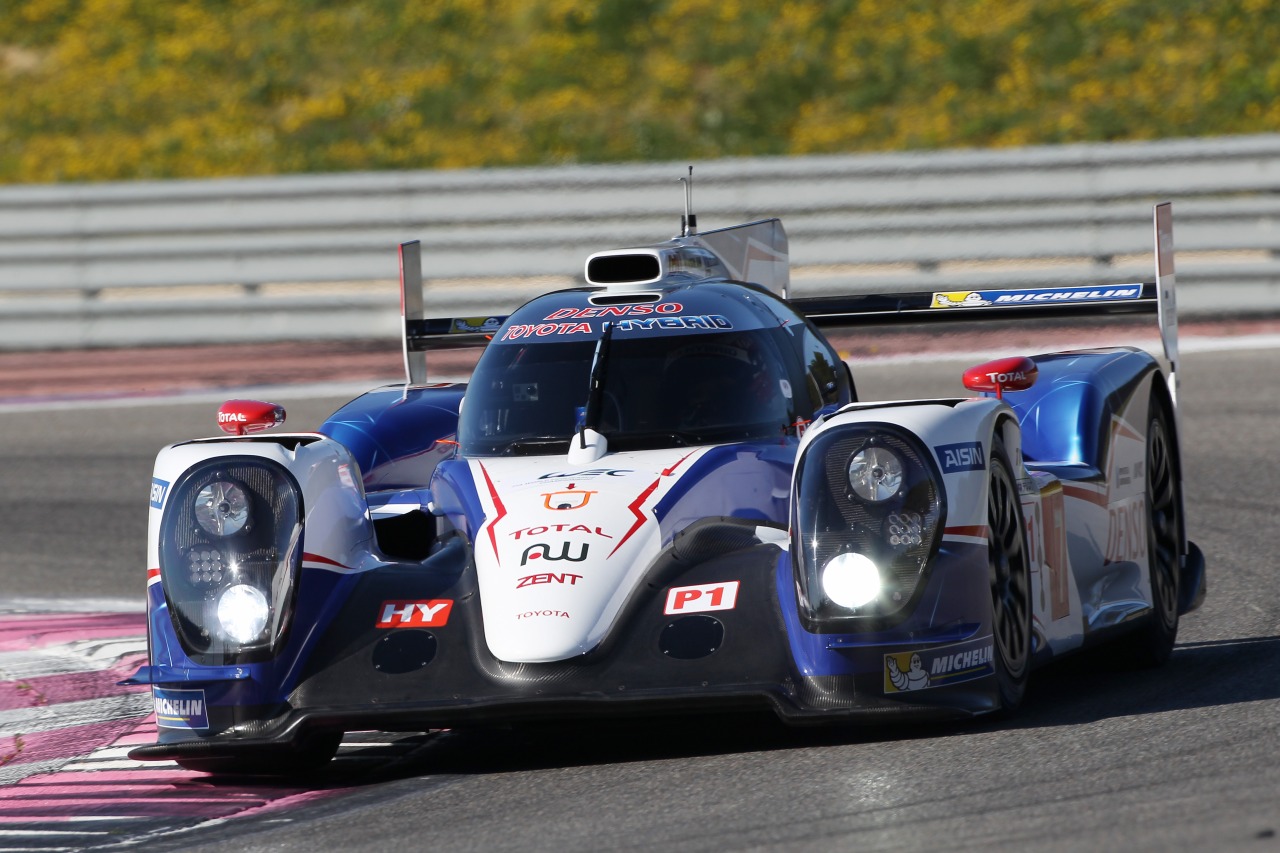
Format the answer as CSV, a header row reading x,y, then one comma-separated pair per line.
x,y
534,442
595,386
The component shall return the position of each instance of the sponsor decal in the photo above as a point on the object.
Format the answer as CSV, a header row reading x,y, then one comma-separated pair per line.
x,y
548,577
344,476
567,499
938,667
692,321
542,551
232,418
542,330
159,488
533,614
701,598
966,456
473,325
1127,531
180,709
615,311
587,475
559,528
1034,296
415,614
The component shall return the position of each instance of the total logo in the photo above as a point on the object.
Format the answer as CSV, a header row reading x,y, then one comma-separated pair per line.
x,y
702,598
1002,378
559,528
542,551
232,418
415,614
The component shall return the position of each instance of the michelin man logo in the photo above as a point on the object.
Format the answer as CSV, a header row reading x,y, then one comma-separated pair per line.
x,y
915,678
960,299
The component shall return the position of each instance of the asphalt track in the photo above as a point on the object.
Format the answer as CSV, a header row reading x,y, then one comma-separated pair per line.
x,y
1179,758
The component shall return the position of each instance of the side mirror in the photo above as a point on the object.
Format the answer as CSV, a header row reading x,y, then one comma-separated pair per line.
x,y
240,417
1016,373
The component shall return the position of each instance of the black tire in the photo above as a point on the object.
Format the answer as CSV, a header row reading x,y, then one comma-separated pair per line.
x,y
311,756
1010,577
1151,644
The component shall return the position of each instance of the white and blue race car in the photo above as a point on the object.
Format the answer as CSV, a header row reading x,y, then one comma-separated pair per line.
x,y
660,492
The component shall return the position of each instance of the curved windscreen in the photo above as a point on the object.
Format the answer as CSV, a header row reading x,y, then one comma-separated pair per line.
x,y
657,391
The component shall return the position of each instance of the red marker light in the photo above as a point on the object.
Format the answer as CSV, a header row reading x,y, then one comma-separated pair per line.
x,y
1016,373
240,417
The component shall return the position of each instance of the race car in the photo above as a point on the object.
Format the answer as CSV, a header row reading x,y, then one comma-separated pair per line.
x,y
660,492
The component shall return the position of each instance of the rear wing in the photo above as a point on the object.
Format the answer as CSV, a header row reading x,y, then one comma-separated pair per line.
x,y
760,248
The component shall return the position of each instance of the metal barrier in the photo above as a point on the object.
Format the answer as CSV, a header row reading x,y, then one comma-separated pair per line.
x,y
314,256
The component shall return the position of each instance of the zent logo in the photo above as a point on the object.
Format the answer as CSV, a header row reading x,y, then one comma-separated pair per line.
x,y
159,488
548,577
415,614
701,599
961,457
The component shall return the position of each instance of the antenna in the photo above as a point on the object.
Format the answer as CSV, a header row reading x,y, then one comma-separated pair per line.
x,y
688,222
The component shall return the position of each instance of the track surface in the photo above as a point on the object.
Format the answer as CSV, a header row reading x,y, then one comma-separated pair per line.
x,y
1179,758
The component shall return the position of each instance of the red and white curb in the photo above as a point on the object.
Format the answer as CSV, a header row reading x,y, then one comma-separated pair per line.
x,y
66,726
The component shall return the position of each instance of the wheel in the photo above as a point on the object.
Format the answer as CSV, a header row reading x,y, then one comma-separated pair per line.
x,y
312,754
1152,644
1010,577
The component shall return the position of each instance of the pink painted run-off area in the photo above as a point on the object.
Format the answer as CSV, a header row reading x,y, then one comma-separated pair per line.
x,y
77,773
165,371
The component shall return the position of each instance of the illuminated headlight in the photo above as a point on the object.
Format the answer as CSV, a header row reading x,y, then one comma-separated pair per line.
x,y
875,474
242,613
221,508
230,552
851,580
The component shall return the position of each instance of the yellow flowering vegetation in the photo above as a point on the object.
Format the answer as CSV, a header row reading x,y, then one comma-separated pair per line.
x,y
127,89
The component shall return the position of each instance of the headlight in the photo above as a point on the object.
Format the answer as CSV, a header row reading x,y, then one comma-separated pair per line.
x,y
242,613
850,580
875,474
230,552
868,516
222,508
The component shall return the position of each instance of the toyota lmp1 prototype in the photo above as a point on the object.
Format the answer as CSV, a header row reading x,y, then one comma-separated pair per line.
x,y
660,492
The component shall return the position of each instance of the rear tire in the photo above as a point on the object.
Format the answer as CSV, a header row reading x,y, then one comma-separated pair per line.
x,y
1151,645
1010,578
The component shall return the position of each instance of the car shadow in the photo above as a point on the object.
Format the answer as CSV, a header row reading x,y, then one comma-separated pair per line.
x,y
1079,690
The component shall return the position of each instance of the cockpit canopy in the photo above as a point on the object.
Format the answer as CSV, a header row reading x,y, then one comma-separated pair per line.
x,y
700,364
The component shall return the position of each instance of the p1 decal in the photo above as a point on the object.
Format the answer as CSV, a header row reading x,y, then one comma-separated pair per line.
x,y
159,488
938,667
966,456
415,614
702,598
180,709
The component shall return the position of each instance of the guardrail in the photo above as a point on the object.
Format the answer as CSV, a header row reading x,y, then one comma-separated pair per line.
x,y
314,256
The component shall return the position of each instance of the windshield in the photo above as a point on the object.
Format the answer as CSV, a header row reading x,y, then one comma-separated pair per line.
x,y
658,391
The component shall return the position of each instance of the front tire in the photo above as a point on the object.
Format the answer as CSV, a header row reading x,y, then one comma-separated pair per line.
x,y
1010,577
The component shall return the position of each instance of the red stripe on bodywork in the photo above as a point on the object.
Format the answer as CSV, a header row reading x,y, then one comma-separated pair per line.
x,y
316,558
667,472
634,506
1084,494
501,510
978,531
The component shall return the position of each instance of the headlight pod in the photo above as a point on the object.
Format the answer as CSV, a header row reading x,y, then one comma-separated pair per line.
x,y
230,551
868,518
